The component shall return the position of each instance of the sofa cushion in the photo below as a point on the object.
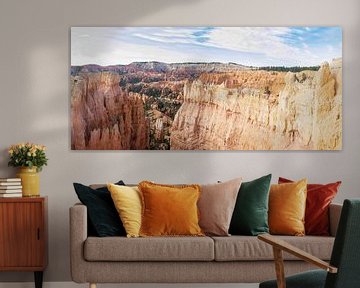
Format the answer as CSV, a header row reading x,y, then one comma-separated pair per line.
x,y
250,216
102,216
318,200
127,201
287,204
169,210
216,206
149,249
243,248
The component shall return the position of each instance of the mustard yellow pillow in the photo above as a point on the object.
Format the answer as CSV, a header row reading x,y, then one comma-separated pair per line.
x,y
127,201
287,204
169,210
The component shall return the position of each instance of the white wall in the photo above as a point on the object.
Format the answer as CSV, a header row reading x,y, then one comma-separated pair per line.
x,y
34,106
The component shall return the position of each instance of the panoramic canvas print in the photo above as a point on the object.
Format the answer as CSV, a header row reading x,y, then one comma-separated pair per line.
x,y
206,88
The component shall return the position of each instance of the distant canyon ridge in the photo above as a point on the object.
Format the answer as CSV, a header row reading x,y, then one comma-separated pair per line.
x,y
206,106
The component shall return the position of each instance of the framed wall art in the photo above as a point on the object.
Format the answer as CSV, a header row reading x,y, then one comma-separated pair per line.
x,y
206,88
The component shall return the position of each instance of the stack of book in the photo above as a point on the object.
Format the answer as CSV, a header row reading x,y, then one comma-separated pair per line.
x,y
10,187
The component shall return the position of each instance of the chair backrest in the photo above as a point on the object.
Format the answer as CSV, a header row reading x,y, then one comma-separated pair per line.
x,y
346,252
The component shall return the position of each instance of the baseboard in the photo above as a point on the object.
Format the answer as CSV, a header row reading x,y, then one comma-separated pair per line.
x,y
74,285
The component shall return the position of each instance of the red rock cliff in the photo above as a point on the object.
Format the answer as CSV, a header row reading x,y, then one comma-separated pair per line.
x,y
105,117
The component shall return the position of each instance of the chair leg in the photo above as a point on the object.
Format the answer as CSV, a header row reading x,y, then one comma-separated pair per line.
x,y
279,267
92,285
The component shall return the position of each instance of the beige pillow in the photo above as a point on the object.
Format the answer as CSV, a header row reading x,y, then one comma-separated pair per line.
x,y
216,206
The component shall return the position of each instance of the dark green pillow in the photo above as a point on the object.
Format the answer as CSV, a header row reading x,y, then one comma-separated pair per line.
x,y
103,218
250,216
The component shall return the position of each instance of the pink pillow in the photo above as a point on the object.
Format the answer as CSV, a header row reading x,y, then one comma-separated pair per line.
x,y
216,206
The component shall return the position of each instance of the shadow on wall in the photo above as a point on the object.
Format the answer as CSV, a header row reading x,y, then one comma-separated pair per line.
x,y
39,49
4,158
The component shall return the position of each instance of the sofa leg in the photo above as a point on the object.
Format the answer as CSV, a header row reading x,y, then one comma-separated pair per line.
x,y
92,285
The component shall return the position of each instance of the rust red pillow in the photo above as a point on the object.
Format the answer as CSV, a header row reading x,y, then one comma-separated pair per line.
x,y
319,197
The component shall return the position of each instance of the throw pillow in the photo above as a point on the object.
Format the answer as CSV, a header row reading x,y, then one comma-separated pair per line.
x,y
287,204
250,215
127,201
102,215
169,210
216,206
319,197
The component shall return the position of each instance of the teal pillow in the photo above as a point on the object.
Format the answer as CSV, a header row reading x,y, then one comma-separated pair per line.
x,y
250,216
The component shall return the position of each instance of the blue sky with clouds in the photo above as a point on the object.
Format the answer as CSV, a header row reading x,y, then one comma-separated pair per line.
x,y
255,46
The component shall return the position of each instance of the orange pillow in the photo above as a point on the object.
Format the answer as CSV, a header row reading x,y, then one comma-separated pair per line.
x,y
169,210
287,203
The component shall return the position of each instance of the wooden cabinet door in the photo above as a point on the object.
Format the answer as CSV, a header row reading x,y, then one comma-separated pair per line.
x,y
21,235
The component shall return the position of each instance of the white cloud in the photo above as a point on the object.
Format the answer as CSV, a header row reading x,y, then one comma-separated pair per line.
x,y
163,38
179,35
268,41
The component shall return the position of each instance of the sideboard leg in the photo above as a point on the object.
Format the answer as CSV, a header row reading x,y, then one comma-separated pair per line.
x,y
38,279
92,285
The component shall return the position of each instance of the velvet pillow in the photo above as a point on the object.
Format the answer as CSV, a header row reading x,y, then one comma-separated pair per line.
x,y
318,200
287,204
101,211
216,206
169,210
127,201
250,215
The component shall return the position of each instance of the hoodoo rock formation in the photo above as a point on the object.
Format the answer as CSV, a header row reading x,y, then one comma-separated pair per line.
x,y
104,116
260,110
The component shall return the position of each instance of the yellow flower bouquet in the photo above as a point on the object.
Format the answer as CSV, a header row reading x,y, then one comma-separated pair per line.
x,y
27,155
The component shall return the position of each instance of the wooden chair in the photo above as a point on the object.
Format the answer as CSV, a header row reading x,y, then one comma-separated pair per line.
x,y
344,268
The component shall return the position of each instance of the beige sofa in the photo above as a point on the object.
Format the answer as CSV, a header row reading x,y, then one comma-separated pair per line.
x,y
234,259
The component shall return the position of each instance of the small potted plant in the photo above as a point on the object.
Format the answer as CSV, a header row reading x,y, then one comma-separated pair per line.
x,y
30,158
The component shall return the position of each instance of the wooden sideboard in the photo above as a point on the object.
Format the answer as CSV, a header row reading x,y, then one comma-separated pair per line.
x,y
23,235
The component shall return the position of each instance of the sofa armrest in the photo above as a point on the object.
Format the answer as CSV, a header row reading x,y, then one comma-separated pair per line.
x,y
78,235
334,216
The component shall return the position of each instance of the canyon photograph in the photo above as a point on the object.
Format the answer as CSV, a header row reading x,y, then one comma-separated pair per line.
x,y
206,88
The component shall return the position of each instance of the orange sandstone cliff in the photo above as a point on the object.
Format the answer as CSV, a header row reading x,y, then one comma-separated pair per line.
x,y
261,110
103,116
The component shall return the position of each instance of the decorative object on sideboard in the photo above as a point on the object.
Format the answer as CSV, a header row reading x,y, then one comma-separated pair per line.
x,y
10,187
30,158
